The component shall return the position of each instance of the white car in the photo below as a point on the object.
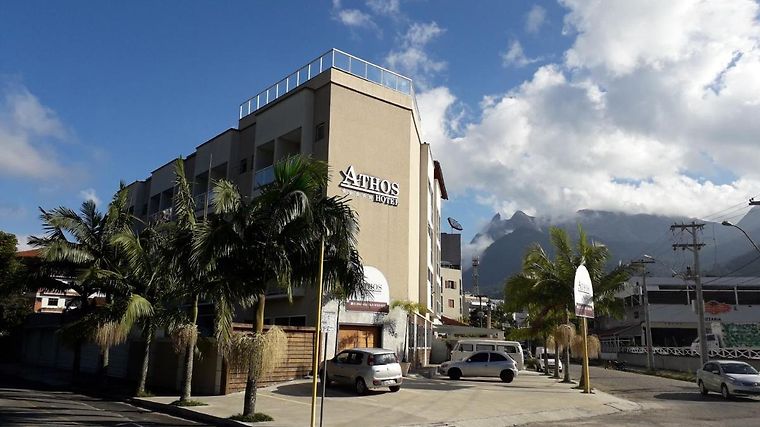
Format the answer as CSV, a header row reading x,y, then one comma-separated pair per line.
x,y
482,364
364,369
728,377
552,362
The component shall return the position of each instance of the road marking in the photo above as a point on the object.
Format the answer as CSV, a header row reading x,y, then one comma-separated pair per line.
x,y
286,400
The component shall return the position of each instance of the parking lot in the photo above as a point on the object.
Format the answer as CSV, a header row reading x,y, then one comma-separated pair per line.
x,y
422,401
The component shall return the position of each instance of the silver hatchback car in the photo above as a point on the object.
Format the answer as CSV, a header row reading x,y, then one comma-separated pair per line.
x,y
482,364
365,369
728,377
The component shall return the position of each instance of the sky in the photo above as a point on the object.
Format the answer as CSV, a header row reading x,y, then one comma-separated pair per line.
x,y
545,107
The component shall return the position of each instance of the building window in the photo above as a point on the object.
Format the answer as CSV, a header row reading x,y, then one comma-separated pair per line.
x,y
243,165
52,302
451,303
430,276
319,132
450,284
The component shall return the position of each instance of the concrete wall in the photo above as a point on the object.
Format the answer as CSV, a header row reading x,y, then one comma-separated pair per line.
x,y
673,363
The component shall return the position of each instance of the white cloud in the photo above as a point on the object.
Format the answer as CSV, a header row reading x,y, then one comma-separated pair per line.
x,y
535,19
515,56
89,194
27,132
652,110
412,59
355,18
384,7
22,243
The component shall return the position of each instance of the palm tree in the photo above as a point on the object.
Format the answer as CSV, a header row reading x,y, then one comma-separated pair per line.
x,y
547,283
146,256
272,240
92,261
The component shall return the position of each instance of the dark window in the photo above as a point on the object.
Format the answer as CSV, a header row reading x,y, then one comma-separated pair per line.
x,y
668,297
496,357
749,298
451,303
479,347
355,358
243,165
343,357
384,359
726,297
507,348
319,133
450,284
298,321
479,357
53,302
465,347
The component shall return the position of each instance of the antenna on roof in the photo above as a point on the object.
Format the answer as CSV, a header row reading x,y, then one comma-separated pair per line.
x,y
455,225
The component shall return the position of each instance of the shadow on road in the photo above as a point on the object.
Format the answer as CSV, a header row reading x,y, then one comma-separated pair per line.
x,y
696,397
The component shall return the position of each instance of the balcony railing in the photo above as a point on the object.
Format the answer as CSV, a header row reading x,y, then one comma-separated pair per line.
x,y
162,215
263,177
200,201
333,58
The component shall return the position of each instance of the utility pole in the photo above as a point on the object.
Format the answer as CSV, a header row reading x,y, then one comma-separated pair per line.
x,y
475,264
694,247
648,325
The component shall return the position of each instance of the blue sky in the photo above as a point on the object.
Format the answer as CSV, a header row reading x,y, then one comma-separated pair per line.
x,y
96,92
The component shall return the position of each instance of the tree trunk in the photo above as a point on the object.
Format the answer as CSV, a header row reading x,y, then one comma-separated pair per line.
x,y
546,356
145,362
249,400
566,378
102,371
556,359
187,383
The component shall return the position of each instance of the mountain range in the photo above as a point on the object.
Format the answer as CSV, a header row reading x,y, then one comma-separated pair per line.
x,y
502,243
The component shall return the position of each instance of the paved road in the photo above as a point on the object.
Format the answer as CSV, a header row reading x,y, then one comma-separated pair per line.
x,y
27,404
667,402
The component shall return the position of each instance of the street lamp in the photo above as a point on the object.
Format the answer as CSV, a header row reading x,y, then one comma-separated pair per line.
x,y
730,224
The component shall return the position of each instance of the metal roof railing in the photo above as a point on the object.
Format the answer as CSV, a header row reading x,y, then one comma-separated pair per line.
x,y
333,58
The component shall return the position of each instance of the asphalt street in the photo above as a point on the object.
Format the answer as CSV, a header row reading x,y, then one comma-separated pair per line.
x,y
28,404
666,402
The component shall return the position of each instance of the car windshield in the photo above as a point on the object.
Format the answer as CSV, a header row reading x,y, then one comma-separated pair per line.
x,y
738,368
384,359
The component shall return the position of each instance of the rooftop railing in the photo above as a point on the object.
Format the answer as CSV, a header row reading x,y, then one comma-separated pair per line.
x,y
333,58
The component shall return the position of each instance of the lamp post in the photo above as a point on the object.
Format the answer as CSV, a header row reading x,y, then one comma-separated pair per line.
x,y
730,224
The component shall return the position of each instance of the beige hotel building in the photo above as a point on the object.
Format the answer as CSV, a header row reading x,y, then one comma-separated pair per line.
x,y
363,120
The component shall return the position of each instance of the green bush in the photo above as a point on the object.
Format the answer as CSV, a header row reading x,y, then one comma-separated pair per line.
x,y
188,403
255,418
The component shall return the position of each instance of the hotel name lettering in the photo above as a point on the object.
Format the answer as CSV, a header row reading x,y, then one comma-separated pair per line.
x,y
380,190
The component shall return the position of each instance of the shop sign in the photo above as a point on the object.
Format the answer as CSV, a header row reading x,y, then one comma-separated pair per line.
x,y
378,294
379,190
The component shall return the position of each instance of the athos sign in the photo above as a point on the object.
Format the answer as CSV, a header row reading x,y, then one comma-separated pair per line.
x,y
380,190
584,293
378,293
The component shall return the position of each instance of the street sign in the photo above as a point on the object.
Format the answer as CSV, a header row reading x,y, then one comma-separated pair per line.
x,y
584,293
328,321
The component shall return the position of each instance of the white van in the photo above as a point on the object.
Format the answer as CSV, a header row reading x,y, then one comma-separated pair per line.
x,y
465,347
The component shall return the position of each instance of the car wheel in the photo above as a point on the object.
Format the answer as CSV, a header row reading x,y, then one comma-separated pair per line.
x,y
360,386
395,388
507,376
702,388
455,374
724,392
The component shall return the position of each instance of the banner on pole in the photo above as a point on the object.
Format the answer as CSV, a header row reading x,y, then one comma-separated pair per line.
x,y
584,293
329,319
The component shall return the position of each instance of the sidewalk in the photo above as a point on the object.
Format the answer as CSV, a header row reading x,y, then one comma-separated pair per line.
x,y
424,402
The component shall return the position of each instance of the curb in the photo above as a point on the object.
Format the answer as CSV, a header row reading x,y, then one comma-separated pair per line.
x,y
185,413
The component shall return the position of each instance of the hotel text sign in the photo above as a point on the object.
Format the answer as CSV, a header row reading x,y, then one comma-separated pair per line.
x,y
380,190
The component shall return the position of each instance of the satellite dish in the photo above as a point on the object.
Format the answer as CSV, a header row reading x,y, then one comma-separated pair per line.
x,y
455,224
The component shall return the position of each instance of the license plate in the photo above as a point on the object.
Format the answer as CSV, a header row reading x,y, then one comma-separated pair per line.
x,y
389,382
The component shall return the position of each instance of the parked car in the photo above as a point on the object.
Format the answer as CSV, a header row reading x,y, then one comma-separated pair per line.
x,y
466,347
482,364
714,342
552,359
728,377
365,369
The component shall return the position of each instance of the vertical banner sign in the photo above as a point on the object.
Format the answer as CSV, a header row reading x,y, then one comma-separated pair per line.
x,y
584,293
584,308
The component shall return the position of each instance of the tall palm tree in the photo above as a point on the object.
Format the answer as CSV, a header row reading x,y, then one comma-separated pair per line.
x,y
546,284
147,253
91,260
273,241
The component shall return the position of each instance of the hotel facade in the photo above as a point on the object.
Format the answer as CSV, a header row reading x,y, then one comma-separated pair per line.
x,y
363,121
